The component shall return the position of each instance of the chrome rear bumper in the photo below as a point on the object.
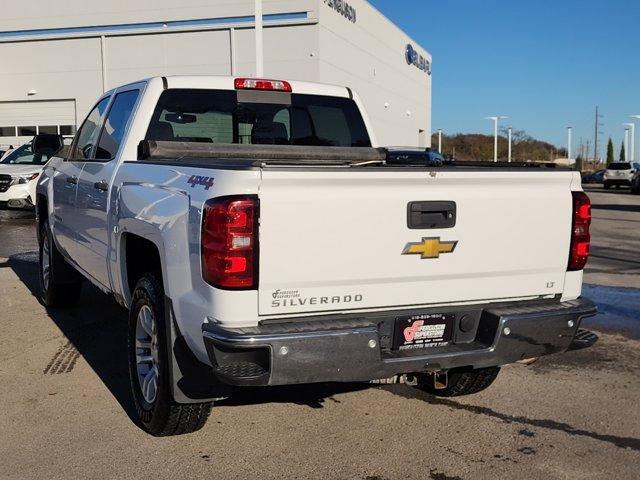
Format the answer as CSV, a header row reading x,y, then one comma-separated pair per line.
x,y
344,348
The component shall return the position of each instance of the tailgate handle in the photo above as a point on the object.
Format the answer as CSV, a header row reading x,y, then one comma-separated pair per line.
x,y
427,215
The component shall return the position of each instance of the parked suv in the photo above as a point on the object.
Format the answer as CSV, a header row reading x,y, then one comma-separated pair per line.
x,y
619,173
19,172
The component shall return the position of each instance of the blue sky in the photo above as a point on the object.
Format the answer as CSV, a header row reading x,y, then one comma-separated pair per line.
x,y
545,63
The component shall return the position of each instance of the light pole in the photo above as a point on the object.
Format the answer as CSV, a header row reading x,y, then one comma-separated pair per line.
x,y
440,141
630,147
633,137
510,130
495,120
626,141
259,42
569,144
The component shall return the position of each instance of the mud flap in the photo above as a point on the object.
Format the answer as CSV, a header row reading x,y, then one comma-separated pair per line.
x,y
191,380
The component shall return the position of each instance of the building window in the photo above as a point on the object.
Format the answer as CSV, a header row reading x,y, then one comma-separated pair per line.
x,y
67,129
7,131
51,129
26,131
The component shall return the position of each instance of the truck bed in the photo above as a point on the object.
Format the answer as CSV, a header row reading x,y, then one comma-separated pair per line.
x,y
355,228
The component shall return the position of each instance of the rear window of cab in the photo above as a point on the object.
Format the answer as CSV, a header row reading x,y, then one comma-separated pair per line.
x,y
246,117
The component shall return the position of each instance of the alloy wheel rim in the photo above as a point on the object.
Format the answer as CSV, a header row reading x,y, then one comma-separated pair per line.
x,y
147,354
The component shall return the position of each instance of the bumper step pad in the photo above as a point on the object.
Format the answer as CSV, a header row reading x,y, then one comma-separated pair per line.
x,y
241,373
583,339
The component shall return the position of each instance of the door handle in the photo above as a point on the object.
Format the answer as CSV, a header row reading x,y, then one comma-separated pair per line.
x,y
429,215
73,180
102,186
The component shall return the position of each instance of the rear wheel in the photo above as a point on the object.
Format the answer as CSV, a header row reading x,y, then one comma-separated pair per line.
x,y
461,382
148,366
606,186
60,284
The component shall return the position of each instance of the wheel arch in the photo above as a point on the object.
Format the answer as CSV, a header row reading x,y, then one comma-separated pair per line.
x,y
42,212
139,254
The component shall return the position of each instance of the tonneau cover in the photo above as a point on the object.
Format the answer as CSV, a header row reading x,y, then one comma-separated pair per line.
x,y
161,150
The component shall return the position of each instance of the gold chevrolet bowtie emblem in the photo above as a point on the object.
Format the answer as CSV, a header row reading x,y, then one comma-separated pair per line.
x,y
429,248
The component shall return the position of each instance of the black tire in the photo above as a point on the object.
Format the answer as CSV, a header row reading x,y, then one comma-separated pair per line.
x,y
63,285
462,382
161,417
606,186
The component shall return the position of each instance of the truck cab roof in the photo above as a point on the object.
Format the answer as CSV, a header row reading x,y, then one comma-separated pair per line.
x,y
227,82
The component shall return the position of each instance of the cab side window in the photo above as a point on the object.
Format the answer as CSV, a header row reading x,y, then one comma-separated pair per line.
x,y
87,136
116,124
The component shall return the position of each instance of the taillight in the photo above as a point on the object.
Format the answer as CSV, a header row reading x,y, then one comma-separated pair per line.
x,y
262,84
580,238
230,242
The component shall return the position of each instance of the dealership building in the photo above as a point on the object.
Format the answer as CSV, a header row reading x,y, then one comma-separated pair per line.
x,y
56,58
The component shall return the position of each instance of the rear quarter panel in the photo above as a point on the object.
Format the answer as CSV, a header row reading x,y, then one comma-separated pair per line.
x,y
158,203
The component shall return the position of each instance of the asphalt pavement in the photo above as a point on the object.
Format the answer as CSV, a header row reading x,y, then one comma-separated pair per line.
x,y
67,412
615,232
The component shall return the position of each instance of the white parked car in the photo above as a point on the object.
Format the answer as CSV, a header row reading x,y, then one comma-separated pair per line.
x,y
619,173
19,172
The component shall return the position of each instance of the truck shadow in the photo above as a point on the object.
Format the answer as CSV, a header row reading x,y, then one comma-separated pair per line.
x,y
628,443
97,329
313,395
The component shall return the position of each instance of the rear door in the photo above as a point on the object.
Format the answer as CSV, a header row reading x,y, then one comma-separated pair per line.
x,y
95,183
342,240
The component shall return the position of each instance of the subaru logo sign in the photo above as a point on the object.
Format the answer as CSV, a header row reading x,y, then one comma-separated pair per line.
x,y
343,8
416,59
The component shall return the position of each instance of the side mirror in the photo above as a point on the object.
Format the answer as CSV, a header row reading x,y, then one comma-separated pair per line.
x,y
47,144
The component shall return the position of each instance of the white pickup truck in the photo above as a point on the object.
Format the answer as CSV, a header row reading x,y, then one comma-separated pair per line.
x,y
259,236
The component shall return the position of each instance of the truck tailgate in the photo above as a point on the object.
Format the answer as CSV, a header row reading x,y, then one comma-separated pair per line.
x,y
339,239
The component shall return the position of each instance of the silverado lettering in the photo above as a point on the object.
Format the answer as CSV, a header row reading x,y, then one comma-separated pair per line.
x,y
294,302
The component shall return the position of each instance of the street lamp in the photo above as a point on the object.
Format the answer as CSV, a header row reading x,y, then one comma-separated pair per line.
x,y
633,138
495,120
569,144
626,140
440,141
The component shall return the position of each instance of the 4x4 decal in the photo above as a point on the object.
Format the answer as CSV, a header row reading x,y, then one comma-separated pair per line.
x,y
206,182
